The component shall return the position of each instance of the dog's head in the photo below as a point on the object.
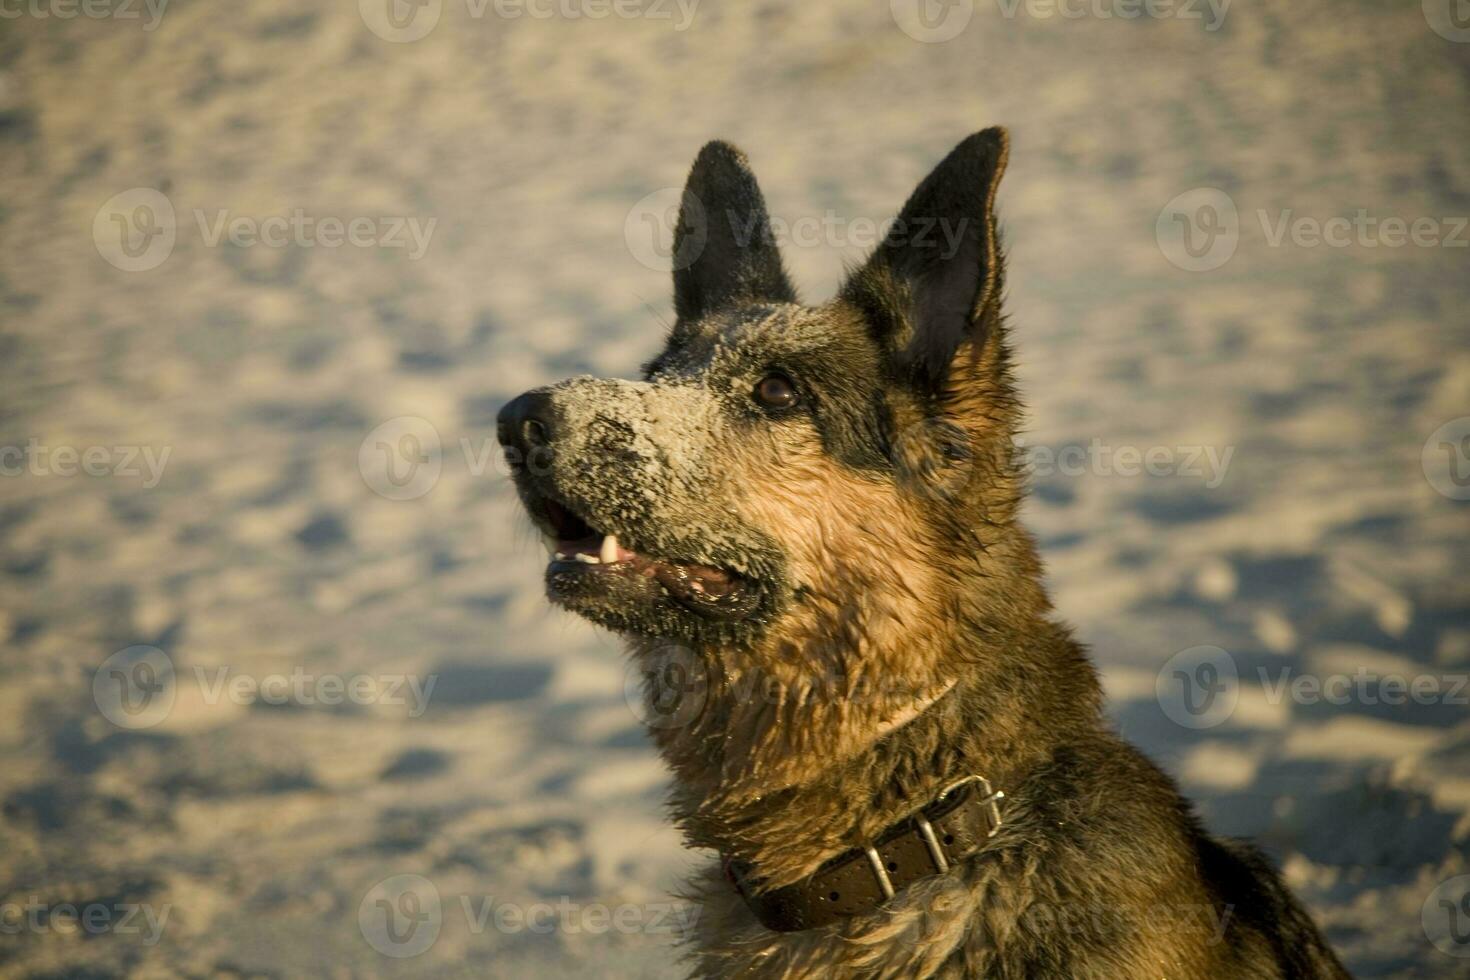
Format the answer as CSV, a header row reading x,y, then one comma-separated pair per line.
x,y
780,462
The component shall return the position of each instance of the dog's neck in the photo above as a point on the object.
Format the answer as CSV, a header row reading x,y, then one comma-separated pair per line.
x,y
906,713
784,774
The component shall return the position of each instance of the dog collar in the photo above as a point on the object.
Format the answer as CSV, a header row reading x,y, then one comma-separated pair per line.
x,y
930,841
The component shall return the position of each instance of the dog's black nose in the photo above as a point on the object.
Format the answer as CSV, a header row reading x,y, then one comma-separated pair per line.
x,y
527,422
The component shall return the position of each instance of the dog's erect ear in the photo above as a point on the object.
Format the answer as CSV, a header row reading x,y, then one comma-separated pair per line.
x,y
935,281
724,251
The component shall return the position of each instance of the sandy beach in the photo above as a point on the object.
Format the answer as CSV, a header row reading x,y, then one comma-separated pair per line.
x,y
275,666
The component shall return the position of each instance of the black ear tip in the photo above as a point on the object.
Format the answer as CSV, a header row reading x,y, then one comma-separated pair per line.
x,y
999,135
718,153
992,144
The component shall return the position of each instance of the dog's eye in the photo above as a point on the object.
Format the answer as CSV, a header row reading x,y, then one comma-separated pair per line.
x,y
775,391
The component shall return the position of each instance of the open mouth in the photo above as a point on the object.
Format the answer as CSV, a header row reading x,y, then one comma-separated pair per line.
x,y
578,549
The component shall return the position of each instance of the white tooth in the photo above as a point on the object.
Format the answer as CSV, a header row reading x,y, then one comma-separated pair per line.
x,y
561,555
587,559
609,549
550,544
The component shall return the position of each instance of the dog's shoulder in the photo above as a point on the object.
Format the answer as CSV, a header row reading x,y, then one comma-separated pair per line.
x,y
1101,820
1245,881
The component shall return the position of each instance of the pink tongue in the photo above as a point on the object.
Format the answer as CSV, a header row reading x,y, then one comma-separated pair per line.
x,y
711,581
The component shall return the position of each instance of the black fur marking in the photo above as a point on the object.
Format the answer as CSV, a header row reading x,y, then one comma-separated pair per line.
x,y
1247,884
930,284
724,250
848,407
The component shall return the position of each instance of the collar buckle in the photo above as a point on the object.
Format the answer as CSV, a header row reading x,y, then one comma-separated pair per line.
x,y
990,799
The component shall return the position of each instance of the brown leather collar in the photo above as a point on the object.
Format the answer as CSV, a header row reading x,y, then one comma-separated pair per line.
x,y
930,841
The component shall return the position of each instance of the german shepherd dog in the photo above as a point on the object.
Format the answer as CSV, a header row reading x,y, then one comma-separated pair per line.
x,y
803,520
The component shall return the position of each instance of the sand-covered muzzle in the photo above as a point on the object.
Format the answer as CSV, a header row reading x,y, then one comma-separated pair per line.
x,y
633,508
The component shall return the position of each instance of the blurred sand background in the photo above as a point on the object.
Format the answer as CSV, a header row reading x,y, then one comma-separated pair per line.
x,y
264,546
